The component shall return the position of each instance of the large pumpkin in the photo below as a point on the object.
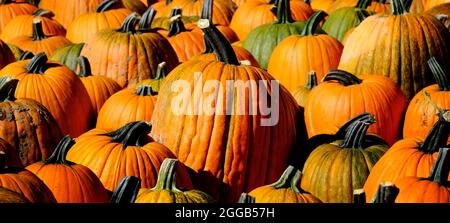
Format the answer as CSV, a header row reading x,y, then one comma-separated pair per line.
x,y
231,150
432,3
55,87
9,9
443,9
66,11
378,6
409,40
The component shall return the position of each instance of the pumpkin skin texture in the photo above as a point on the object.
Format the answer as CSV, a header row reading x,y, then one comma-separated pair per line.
x,y
113,155
343,162
379,6
106,16
285,190
301,93
311,52
21,26
166,190
350,96
409,157
9,196
401,53
66,11
10,9
68,55
432,3
342,20
6,55
323,5
27,125
145,51
55,87
439,10
220,173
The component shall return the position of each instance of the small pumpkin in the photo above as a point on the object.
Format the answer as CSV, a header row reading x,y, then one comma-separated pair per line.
x,y
301,93
68,55
10,9
66,11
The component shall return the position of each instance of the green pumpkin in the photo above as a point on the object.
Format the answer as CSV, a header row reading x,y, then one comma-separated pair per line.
x,y
68,55
135,6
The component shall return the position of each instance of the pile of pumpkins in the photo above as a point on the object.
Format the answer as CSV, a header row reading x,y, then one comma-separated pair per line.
x,y
88,89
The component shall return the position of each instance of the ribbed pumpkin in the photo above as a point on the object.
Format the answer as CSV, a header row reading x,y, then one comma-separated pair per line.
x,y
166,190
410,156
10,9
106,16
342,95
323,5
99,88
378,6
258,12
361,15
343,161
26,125
285,190
433,189
66,11
301,93
295,56
421,113
208,142
408,42
38,41
21,25
11,156
68,55
55,87
432,3
145,50
443,9
9,196
24,182
128,151
6,55
69,182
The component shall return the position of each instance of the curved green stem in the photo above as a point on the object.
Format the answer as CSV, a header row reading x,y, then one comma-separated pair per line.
x,y
129,24
354,137
127,190
85,67
312,80
176,26
364,117
27,55
441,168
400,7
38,32
439,74
343,77
43,13
161,71
207,10
132,134
289,179
37,64
105,5
283,12
147,19
386,194
167,176
313,22
8,88
59,155
438,135
363,4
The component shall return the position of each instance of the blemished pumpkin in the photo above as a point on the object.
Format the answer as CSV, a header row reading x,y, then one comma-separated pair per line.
x,y
9,196
55,87
66,11
166,190
68,55
343,161
349,96
106,16
21,25
127,151
410,156
410,40
296,55
38,41
433,189
301,93
9,9
24,182
285,190
26,125
145,51
208,142
6,55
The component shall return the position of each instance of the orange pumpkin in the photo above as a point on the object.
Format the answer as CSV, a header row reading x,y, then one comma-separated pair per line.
x,y
6,55
443,9
66,11
9,196
432,3
10,9
301,93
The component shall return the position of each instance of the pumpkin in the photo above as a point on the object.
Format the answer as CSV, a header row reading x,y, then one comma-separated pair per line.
x,y
68,55
66,11
156,83
69,182
207,139
378,6
349,95
145,51
106,16
360,16
432,3
6,55
27,125
401,53
55,87
301,93
127,190
9,196
166,191
410,156
296,55
127,151
99,88
134,6
323,5
285,190
421,112
21,25
433,189
255,13
12,159
24,182
443,9
244,57
10,9
16,51
343,161
38,41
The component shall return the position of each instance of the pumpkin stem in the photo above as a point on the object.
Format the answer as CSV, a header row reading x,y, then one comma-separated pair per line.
x,y
439,74
359,196
289,179
8,88
343,77
283,12
43,13
219,43
127,190
105,5
37,64
313,22
355,136
132,134
364,117
207,10
386,194
176,25
441,168
147,19
129,24
168,2
438,135
312,80
59,155
38,32
246,199
27,55
145,90
161,71
167,176
363,4
400,7
307,2
381,1
85,67
361,15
